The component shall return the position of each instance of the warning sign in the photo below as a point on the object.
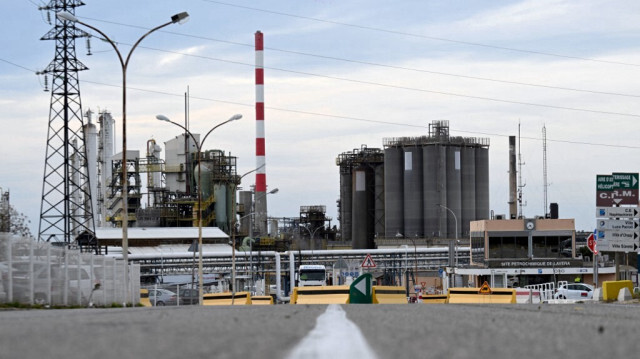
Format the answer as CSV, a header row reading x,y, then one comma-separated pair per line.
x,y
368,262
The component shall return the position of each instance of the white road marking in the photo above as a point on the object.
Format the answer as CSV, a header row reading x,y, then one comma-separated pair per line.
x,y
334,337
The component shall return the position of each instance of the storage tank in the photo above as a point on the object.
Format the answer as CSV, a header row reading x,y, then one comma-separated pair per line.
x,y
379,200
346,189
468,177
393,194
431,193
412,195
245,198
360,209
482,183
454,190
220,191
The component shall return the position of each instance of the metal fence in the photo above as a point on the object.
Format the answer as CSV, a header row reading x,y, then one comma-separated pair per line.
x,y
40,273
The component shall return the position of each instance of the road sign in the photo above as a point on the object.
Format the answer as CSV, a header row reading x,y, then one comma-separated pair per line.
x,y
616,189
361,291
368,262
617,212
615,224
591,244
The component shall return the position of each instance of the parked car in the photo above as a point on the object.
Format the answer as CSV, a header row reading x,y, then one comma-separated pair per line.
x,y
162,297
188,296
574,291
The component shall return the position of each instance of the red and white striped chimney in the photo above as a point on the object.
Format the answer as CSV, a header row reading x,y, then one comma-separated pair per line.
x,y
261,172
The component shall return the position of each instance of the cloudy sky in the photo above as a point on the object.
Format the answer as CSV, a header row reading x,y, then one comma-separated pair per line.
x,y
342,74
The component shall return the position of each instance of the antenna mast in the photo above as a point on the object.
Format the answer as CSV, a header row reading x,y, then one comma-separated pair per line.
x,y
544,168
520,184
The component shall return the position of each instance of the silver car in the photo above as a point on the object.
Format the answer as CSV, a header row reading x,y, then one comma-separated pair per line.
x,y
162,297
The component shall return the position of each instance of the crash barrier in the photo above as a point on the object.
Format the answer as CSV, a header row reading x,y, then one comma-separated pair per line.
x,y
389,295
262,300
40,273
434,298
610,289
525,295
546,290
484,295
320,295
240,298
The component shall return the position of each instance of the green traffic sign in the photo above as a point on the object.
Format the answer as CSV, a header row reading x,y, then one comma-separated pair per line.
x,y
361,291
625,180
604,183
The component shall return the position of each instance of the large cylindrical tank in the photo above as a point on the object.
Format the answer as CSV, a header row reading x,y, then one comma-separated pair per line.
x,y
91,147
430,190
346,197
468,188
454,190
482,183
220,192
378,226
412,183
359,217
245,198
442,185
393,196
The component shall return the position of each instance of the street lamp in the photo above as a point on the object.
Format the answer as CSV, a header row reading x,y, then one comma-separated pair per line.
x,y
456,223
311,234
199,148
180,18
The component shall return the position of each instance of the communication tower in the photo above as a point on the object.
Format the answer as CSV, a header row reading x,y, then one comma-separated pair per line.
x,y
65,213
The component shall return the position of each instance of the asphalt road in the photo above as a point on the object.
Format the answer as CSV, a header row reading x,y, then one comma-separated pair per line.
x,y
392,331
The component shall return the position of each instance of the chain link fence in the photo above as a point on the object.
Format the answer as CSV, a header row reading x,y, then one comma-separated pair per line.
x,y
40,273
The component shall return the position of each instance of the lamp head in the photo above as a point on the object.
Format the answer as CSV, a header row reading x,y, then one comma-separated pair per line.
x,y
275,190
235,117
63,15
163,118
180,18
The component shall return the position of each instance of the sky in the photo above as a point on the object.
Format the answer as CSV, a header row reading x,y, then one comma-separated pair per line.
x,y
342,74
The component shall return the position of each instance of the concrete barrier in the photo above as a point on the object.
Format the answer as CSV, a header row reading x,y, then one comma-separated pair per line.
x,y
434,298
262,300
241,298
525,295
389,295
320,295
610,289
482,295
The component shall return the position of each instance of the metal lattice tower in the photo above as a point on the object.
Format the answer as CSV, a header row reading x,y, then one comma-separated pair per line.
x,y
65,211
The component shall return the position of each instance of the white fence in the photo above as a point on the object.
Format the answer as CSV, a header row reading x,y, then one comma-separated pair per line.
x,y
39,273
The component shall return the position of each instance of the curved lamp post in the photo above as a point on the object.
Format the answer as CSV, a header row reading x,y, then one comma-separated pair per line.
x,y
180,18
199,148
456,239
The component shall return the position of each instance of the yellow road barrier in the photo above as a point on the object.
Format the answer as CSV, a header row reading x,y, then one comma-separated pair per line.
x,y
483,295
261,300
241,298
144,297
320,295
434,298
389,295
610,289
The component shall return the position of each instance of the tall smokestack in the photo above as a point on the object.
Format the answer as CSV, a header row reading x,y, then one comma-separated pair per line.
x,y
261,172
513,184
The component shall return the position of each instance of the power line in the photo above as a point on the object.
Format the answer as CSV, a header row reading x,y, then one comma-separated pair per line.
x,y
369,63
352,118
371,28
